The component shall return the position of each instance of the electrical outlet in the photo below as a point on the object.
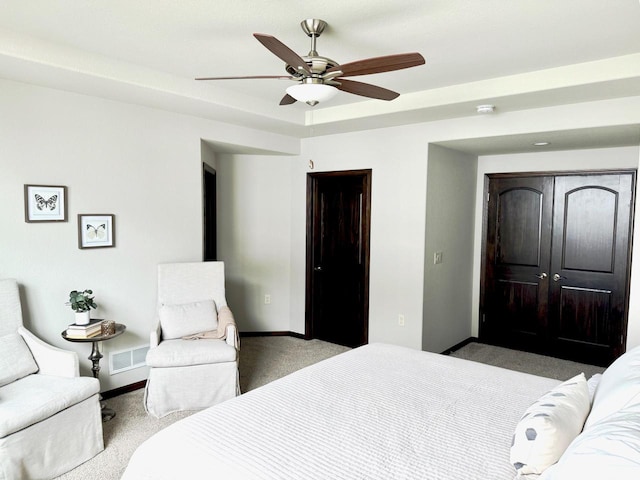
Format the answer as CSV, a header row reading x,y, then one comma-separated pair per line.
x,y
401,320
437,258
267,299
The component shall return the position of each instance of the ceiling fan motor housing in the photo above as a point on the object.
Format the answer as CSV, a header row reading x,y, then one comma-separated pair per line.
x,y
317,64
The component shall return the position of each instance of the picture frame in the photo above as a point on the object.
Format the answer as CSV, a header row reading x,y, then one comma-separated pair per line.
x,y
45,203
96,230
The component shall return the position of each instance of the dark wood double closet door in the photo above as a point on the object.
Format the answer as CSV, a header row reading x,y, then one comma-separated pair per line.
x,y
556,266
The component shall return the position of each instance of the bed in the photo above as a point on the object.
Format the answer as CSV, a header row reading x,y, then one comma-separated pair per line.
x,y
376,412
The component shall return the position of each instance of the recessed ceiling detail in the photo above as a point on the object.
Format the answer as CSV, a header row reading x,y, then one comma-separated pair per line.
x,y
148,53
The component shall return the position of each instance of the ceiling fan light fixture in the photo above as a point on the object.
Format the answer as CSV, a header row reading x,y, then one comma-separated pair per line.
x,y
312,93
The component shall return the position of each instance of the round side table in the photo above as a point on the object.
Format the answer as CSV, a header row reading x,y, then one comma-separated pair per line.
x,y
107,413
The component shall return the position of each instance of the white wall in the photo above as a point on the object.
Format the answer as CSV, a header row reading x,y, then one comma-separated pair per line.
x,y
450,205
141,164
254,201
398,159
144,165
594,159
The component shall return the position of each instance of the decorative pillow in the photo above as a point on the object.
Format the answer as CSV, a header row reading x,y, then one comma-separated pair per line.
x,y
179,321
16,360
609,449
618,388
549,426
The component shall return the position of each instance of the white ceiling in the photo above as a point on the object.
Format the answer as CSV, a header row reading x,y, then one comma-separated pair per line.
x,y
534,52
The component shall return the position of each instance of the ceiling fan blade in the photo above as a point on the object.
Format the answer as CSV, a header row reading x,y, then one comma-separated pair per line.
x,y
280,77
366,89
387,63
287,100
283,52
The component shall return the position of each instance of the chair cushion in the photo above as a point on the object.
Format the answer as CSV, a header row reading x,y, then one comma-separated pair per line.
x,y
179,321
182,353
16,360
34,398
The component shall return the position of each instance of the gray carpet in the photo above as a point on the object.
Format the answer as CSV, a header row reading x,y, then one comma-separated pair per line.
x,y
262,360
525,362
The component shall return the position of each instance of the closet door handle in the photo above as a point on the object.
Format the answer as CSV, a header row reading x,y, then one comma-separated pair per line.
x,y
557,277
541,276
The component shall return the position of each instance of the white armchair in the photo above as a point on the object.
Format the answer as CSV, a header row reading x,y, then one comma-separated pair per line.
x,y
193,357
50,419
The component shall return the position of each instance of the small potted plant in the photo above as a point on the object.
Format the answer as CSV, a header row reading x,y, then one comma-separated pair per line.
x,y
81,303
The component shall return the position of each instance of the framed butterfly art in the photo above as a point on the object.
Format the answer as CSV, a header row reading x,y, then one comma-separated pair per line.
x,y
45,203
96,230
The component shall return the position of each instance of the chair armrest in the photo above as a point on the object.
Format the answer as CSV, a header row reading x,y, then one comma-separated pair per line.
x,y
225,318
51,360
232,337
156,334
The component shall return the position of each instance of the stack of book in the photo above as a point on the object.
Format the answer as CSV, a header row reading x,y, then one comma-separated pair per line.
x,y
92,329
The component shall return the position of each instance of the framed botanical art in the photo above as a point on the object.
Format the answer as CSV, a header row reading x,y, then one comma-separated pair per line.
x,y
96,230
45,203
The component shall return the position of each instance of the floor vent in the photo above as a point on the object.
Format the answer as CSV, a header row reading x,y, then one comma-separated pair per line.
x,y
124,360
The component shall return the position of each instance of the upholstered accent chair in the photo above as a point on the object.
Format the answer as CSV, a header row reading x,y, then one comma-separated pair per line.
x,y
193,357
50,419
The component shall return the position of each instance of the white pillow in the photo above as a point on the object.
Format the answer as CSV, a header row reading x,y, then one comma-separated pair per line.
x,y
16,360
549,426
179,321
609,449
619,387
592,384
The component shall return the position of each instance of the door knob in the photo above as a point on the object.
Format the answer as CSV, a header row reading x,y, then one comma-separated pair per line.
x,y
557,277
541,276
318,269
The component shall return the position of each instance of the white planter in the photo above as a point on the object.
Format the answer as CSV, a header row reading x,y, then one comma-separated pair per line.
x,y
83,318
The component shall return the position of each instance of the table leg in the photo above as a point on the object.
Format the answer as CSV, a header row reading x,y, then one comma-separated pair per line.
x,y
95,359
107,413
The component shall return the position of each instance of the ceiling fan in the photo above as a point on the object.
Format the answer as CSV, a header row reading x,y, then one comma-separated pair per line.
x,y
319,78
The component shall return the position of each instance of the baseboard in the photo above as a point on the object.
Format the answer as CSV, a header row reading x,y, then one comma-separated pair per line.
x,y
282,333
125,389
458,346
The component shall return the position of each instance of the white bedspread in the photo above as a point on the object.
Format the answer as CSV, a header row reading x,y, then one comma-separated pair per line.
x,y
376,412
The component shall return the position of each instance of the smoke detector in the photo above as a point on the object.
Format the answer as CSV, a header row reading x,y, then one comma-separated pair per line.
x,y
485,108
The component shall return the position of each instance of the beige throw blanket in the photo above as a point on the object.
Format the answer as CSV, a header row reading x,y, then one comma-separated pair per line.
x,y
225,319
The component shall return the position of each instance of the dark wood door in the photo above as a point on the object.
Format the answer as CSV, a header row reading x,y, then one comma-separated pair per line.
x,y
590,266
517,263
557,264
209,214
338,257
